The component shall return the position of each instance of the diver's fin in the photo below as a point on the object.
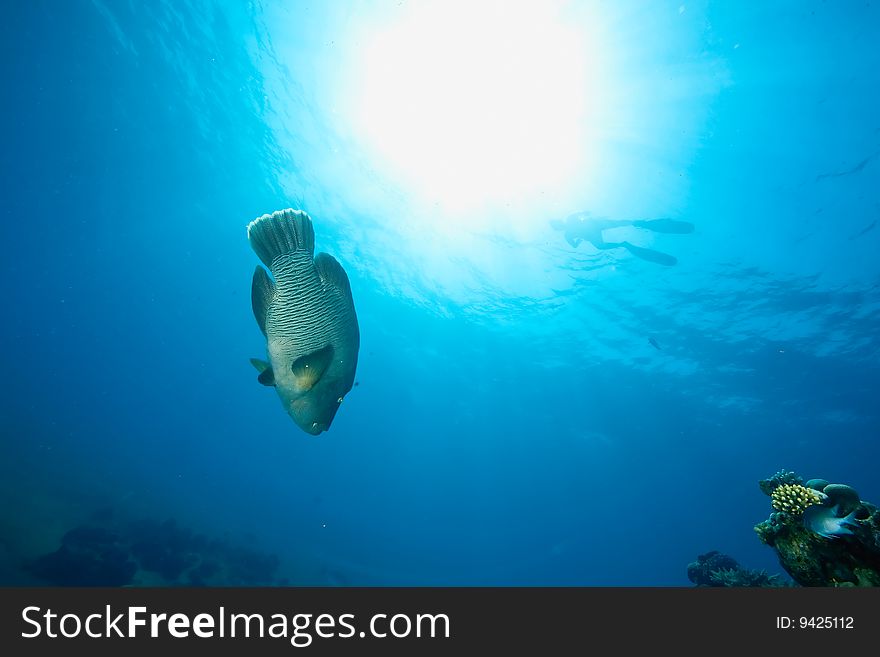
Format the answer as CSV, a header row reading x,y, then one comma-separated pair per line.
x,y
332,274
262,291
650,254
671,226
267,376
308,369
280,233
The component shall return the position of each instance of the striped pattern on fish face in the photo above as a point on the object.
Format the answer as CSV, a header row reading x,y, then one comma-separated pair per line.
x,y
304,317
307,315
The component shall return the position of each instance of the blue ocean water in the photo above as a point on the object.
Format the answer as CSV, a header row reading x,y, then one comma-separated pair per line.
x,y
526,412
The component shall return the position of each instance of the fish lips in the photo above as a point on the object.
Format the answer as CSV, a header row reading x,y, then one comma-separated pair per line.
x,y
312,415
310,425
314,428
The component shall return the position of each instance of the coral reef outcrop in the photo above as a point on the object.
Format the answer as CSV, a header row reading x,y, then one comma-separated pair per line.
x,y
823,533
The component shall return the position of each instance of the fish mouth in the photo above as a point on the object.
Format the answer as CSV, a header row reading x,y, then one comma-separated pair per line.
x,y
311,415
315,428
311,426
301,413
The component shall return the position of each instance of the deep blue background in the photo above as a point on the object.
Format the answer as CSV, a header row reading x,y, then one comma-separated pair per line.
x,y
474,450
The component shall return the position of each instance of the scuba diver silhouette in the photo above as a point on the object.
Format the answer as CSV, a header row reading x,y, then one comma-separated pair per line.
x,y
581,227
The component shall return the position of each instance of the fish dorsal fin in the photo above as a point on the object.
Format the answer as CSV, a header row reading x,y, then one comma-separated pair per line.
x,y
308,369
267,376
332,274
262,292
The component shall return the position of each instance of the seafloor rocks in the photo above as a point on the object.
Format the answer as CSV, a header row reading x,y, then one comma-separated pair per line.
x,y
841,550
110,552
720,570
88,556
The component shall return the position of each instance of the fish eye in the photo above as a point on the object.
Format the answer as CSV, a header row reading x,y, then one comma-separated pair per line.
x,y
339,401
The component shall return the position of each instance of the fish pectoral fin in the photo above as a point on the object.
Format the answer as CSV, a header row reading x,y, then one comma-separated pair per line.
x,y
308,369
262,292
267,376
260,365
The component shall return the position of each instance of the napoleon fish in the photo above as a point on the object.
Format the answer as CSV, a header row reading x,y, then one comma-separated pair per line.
x,y
307,315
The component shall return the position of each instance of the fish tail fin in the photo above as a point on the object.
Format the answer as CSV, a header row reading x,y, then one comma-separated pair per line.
x,y
851,520
281,233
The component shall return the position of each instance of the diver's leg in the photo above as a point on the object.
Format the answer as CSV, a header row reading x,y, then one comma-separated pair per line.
x,y
602,245
649,254
666,225
605,224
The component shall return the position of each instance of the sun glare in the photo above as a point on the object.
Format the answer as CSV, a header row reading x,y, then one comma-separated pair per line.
x,y
475,105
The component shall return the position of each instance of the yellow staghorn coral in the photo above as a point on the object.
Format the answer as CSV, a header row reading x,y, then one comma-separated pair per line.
x,y
794,498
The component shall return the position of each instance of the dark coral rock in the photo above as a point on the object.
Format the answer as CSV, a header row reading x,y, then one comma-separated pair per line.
x,y
717,569
249,568
87,536
814,560
88,556
201,574
116,550
159,557
700,571
746,577
782,477
164,548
